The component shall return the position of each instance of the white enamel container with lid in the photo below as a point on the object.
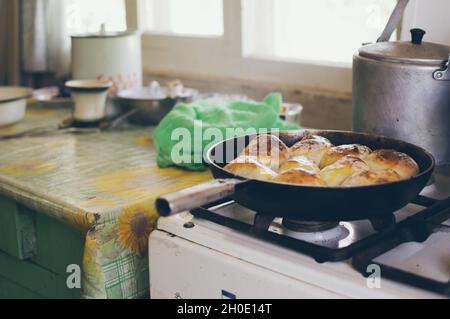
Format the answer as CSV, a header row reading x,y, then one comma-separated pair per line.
x,y
111,56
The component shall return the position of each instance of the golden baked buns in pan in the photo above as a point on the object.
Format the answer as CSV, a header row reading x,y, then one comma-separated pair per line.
x,y
334,154
268,150
337,173
310,136
249,167
300,176
366,178
314,149
403,164
315,161
299,162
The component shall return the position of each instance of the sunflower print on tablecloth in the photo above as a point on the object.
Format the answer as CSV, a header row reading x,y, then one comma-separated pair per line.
x,y
27,168
9,129
40,112
128,184
144,140
134,226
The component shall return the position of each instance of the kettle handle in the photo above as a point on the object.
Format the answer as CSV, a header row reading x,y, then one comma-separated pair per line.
x,y
394,20
444,73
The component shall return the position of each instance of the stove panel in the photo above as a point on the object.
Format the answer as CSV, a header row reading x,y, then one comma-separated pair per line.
x,y
417,252
430,259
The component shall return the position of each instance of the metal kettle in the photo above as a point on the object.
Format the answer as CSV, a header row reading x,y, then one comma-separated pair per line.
x,y
402,90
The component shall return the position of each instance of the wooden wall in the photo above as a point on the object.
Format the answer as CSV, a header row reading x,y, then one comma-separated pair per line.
x,y
322,109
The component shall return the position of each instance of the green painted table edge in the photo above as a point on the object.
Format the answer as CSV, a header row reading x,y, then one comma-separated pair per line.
x,y
40,271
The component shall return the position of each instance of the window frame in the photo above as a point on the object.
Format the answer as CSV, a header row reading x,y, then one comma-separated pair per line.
x,y
222,57
132,14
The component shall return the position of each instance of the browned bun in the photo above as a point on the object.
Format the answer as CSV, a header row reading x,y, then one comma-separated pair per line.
x,y
300,176
249,167
403,164
365,178
334,154
309,136
299,162
312,148
269,150
337,173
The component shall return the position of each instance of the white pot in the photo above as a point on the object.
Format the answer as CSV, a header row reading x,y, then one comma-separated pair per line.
x,y
115,57
90,99
13,103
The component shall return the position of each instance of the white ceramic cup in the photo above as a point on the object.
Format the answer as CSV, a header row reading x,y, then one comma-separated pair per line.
x,y
90,99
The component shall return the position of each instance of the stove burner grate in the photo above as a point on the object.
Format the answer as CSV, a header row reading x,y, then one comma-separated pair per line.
x,y
308,227
388,235
418,228
262,223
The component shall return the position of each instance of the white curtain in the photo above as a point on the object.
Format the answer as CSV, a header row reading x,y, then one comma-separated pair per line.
x,y
45,40
9,42
48,24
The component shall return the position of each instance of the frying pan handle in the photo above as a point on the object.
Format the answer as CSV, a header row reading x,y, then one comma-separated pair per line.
x,y
195,197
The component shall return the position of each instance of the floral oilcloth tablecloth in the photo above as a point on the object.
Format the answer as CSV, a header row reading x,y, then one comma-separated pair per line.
x,y
103,184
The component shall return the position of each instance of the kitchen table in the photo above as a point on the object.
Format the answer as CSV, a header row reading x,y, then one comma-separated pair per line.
x,y
71,203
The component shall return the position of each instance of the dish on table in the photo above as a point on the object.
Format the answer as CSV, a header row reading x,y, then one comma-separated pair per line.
x,y
154,102
13,103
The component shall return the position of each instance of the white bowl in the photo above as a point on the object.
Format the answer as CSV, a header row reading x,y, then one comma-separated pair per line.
x,y
13,103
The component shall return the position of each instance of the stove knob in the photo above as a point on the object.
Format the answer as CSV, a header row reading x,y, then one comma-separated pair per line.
x,y
189,225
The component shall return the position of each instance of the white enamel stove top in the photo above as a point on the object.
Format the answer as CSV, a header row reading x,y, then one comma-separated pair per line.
x,y
195,258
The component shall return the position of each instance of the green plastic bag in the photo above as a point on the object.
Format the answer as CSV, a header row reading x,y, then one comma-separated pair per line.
x,y
185,134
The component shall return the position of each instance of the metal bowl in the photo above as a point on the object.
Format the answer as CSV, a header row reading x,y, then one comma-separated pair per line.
x,y
151,110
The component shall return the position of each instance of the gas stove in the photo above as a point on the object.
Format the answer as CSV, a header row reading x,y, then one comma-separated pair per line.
x,y
227,251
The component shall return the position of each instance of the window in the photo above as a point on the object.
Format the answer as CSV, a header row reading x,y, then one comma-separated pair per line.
x,y
85,16
319,31
305,43
184,17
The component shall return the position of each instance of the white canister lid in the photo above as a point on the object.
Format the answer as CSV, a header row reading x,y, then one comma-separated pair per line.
x,y
105,34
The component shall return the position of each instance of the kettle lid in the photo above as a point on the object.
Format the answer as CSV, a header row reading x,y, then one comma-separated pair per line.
x,y
408,52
